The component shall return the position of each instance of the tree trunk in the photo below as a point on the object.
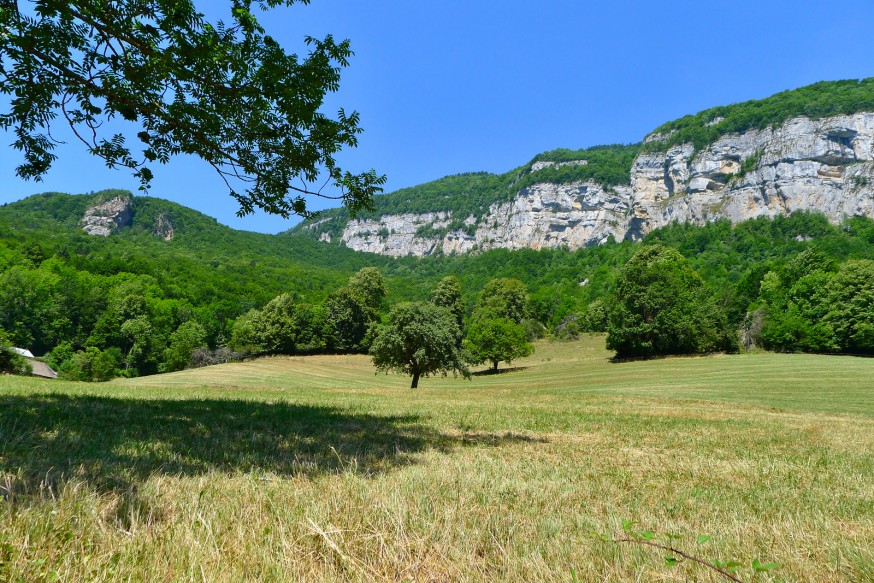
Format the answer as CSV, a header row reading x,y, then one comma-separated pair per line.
x,y
415,381
495,365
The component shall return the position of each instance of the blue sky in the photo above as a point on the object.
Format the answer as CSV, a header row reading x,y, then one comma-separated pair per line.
x,y
457,86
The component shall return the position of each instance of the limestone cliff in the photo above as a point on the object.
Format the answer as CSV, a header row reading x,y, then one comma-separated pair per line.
x,y
824,165
109,216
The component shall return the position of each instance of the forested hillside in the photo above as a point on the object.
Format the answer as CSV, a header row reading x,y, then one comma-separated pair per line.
x,y
131,292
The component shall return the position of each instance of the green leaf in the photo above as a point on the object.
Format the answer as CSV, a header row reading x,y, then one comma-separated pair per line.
x,y
626,525
728,565
671,561
758,567
702,538
646,535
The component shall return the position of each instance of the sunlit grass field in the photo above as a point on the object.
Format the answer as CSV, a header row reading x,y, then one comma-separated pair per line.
x,y
316,469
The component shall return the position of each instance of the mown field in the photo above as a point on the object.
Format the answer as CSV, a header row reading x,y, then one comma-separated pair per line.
x,y
315,469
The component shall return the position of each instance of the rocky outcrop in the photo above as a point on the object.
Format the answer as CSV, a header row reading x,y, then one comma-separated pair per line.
x,y
824,165
542,215
108,217
164,227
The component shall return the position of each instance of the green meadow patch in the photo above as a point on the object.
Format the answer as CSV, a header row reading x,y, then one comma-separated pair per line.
x,y
314,468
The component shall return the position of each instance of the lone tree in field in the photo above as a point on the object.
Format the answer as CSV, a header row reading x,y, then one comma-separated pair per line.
x,y
493,340
496,333
419,339
225,92
662,306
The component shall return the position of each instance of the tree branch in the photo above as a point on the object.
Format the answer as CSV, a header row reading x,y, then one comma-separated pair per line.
x,y
680,553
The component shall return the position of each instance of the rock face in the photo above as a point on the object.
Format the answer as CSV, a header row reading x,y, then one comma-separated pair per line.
x,y
824,165
542,215
164,227
108,217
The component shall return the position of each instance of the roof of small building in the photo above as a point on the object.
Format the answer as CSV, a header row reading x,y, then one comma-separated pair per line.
x,y
22,351
41,369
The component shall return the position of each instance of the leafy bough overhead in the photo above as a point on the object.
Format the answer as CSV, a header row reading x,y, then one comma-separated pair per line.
x,y
227,93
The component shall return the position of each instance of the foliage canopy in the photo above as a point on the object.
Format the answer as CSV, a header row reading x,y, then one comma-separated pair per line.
x,y
419,339
504,297
227,93
661,306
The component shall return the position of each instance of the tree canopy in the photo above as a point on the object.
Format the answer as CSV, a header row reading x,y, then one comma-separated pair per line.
x,y
496,339
352,309
447,295
662,306
419,339
504,297
225,92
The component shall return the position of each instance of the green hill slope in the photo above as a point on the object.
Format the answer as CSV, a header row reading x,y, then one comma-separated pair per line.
x,y
56,280
817,101
195,262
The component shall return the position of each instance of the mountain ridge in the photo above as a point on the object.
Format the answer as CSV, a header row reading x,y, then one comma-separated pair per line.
x,y
803,149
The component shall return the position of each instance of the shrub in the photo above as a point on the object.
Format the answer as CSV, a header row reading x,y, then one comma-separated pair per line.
x,y
10,361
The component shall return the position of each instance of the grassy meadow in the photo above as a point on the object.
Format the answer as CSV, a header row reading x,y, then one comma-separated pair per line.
x,y
316,469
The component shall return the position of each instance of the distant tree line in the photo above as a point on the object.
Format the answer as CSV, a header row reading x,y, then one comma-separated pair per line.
x,y
134,305
811,303
419,338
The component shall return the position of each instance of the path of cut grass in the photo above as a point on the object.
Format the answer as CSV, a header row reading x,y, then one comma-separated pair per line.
x,y
317,469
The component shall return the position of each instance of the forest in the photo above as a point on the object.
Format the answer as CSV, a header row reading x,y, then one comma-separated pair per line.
x,y
135,304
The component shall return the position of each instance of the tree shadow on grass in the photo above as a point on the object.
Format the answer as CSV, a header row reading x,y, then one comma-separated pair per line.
x,y
114,444
490,371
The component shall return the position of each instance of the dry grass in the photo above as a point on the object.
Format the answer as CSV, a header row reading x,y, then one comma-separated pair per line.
x,y
315,469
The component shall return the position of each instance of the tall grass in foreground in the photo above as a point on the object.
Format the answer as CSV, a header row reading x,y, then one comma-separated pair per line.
x,y
315,469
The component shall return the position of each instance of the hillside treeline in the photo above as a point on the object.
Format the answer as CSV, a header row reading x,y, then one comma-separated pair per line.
x,y
131,304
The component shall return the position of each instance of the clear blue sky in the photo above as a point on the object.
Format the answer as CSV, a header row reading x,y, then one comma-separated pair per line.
x,y
457,86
